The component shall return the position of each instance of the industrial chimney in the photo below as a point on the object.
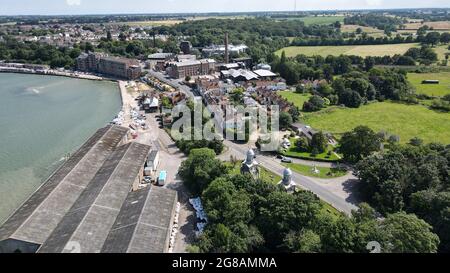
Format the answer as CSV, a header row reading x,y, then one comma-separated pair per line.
x,y
227,57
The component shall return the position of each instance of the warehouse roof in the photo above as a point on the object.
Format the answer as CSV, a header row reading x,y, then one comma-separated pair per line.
x,y
92,215
35,220
144,222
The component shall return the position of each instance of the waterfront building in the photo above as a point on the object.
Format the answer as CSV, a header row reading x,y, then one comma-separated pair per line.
x,y
94,203
113,66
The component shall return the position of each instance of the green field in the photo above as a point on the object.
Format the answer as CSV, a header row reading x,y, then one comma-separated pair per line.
x,y
322,20
358,50
441,89
406,121
295,153
441,51
325,173
296,98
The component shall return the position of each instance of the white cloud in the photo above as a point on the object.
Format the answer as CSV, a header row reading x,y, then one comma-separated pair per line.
x,y
73,2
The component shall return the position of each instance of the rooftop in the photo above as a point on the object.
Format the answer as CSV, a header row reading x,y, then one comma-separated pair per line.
x,y
144,222
101,199
35,220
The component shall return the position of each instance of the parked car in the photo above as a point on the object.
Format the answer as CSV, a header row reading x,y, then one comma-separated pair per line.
x,y
280,156
286,160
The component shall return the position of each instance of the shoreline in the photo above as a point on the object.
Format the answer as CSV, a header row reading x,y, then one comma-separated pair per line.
x,y
55,74
58,164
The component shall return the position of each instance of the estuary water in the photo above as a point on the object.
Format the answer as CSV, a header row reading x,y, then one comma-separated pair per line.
x,y
42,120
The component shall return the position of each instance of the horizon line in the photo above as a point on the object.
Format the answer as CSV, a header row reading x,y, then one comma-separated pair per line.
x,y
226,12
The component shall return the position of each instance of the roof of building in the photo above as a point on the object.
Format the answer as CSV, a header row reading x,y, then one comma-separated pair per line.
x,y
264,73
235,73
36,219
101,199
160,56
144,222
153,154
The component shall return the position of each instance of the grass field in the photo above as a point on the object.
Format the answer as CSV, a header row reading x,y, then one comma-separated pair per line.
x,y
322,20
359,50
325,173
296,98
353,28
295,153
441,51
439,90
406,121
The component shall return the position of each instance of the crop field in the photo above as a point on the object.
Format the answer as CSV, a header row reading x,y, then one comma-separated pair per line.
x,y
406,121
441,89
358,50
439,25
353,28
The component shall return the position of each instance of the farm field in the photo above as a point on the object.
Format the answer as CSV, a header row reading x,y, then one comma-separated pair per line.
x,y
359,50
322,20
406,121
441,51
441,89
152,23
296,98
439,25
353,28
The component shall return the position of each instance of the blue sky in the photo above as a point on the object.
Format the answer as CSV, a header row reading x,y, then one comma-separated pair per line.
x,y
51,7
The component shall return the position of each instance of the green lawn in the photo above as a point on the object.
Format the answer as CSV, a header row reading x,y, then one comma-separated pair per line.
x,y
296,98
293,152
406,121
324,173
441,89
358,50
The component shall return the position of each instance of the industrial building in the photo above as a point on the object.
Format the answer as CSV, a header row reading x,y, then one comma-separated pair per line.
x,y
79,206
113,66
179,70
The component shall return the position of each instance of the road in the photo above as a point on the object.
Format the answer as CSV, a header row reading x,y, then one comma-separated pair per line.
x,y
172,82
336,192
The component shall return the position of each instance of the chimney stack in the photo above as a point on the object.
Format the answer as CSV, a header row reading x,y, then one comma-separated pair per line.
x,y
226,49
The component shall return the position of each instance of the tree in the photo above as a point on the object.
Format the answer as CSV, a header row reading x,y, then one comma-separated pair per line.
x,y
432,38
224,204
200,169
315,103
409,234
285,120
350,98
359,143
302,144
306,241
319,143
